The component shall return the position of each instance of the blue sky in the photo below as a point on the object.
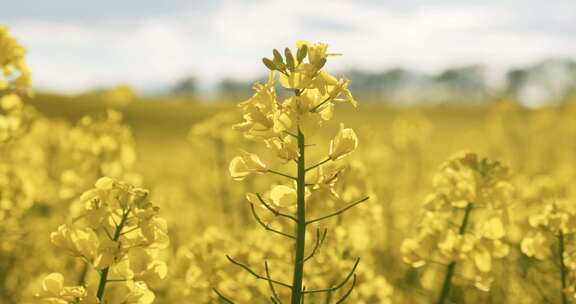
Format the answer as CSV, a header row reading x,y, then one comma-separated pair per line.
x,y
76,45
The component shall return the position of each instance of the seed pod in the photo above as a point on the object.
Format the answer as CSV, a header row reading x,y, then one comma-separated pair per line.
x,y
289,59
269,64
302,52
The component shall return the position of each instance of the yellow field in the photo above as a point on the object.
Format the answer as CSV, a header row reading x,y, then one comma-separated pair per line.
x,y
515,240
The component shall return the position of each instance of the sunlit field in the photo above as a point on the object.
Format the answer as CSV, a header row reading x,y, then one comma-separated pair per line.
x,y
304,193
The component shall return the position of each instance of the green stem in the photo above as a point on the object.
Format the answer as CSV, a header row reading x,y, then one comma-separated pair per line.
x,y
452,266
220,162
301,224
104,272
320,104
83,273
562,266
319,164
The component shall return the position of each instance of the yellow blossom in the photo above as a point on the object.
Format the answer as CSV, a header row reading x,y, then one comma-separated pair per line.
x,y
246,164
343,144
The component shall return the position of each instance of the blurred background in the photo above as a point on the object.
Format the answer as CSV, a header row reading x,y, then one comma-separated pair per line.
x,y
145,91
401,51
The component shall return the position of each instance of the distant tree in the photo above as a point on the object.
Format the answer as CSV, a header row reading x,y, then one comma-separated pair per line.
x,y
516,78
233,89
384,84
187,86
548,81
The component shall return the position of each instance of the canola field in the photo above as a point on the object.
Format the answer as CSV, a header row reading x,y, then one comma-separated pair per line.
x,y
301,194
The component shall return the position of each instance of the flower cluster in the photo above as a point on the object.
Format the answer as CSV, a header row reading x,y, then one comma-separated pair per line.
x,y
265,117
54,291
568,275
200,266
17,195
97,146
106,140
15,74
215,135
550,238
450,232
121,239
555,218
15,117
215,128
14,78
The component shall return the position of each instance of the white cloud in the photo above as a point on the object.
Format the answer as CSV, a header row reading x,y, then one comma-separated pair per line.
x,y
229,39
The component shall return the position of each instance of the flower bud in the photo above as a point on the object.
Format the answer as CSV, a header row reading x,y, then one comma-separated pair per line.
x,y
302,52
289,59
278,61
269,64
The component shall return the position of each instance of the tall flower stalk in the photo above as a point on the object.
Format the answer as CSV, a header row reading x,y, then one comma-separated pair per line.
x,y
563,269
445,291
121,239
286,128
547,239
463,221
301,224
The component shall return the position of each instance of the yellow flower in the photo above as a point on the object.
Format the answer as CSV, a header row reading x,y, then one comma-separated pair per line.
x,y
450,244
246,164
300,78
53,284
343,144
493,229
261,113
482,259
316,52
283,196
54,292
537,245
154,272
109,252
13,70
324,82
340,88
155,230
467,178
104,183
500,249
411,253
78,242
476,239
483,282
286,148
10,102
128,292
297,109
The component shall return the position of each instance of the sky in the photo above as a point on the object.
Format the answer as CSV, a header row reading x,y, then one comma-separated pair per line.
x,y
78,45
